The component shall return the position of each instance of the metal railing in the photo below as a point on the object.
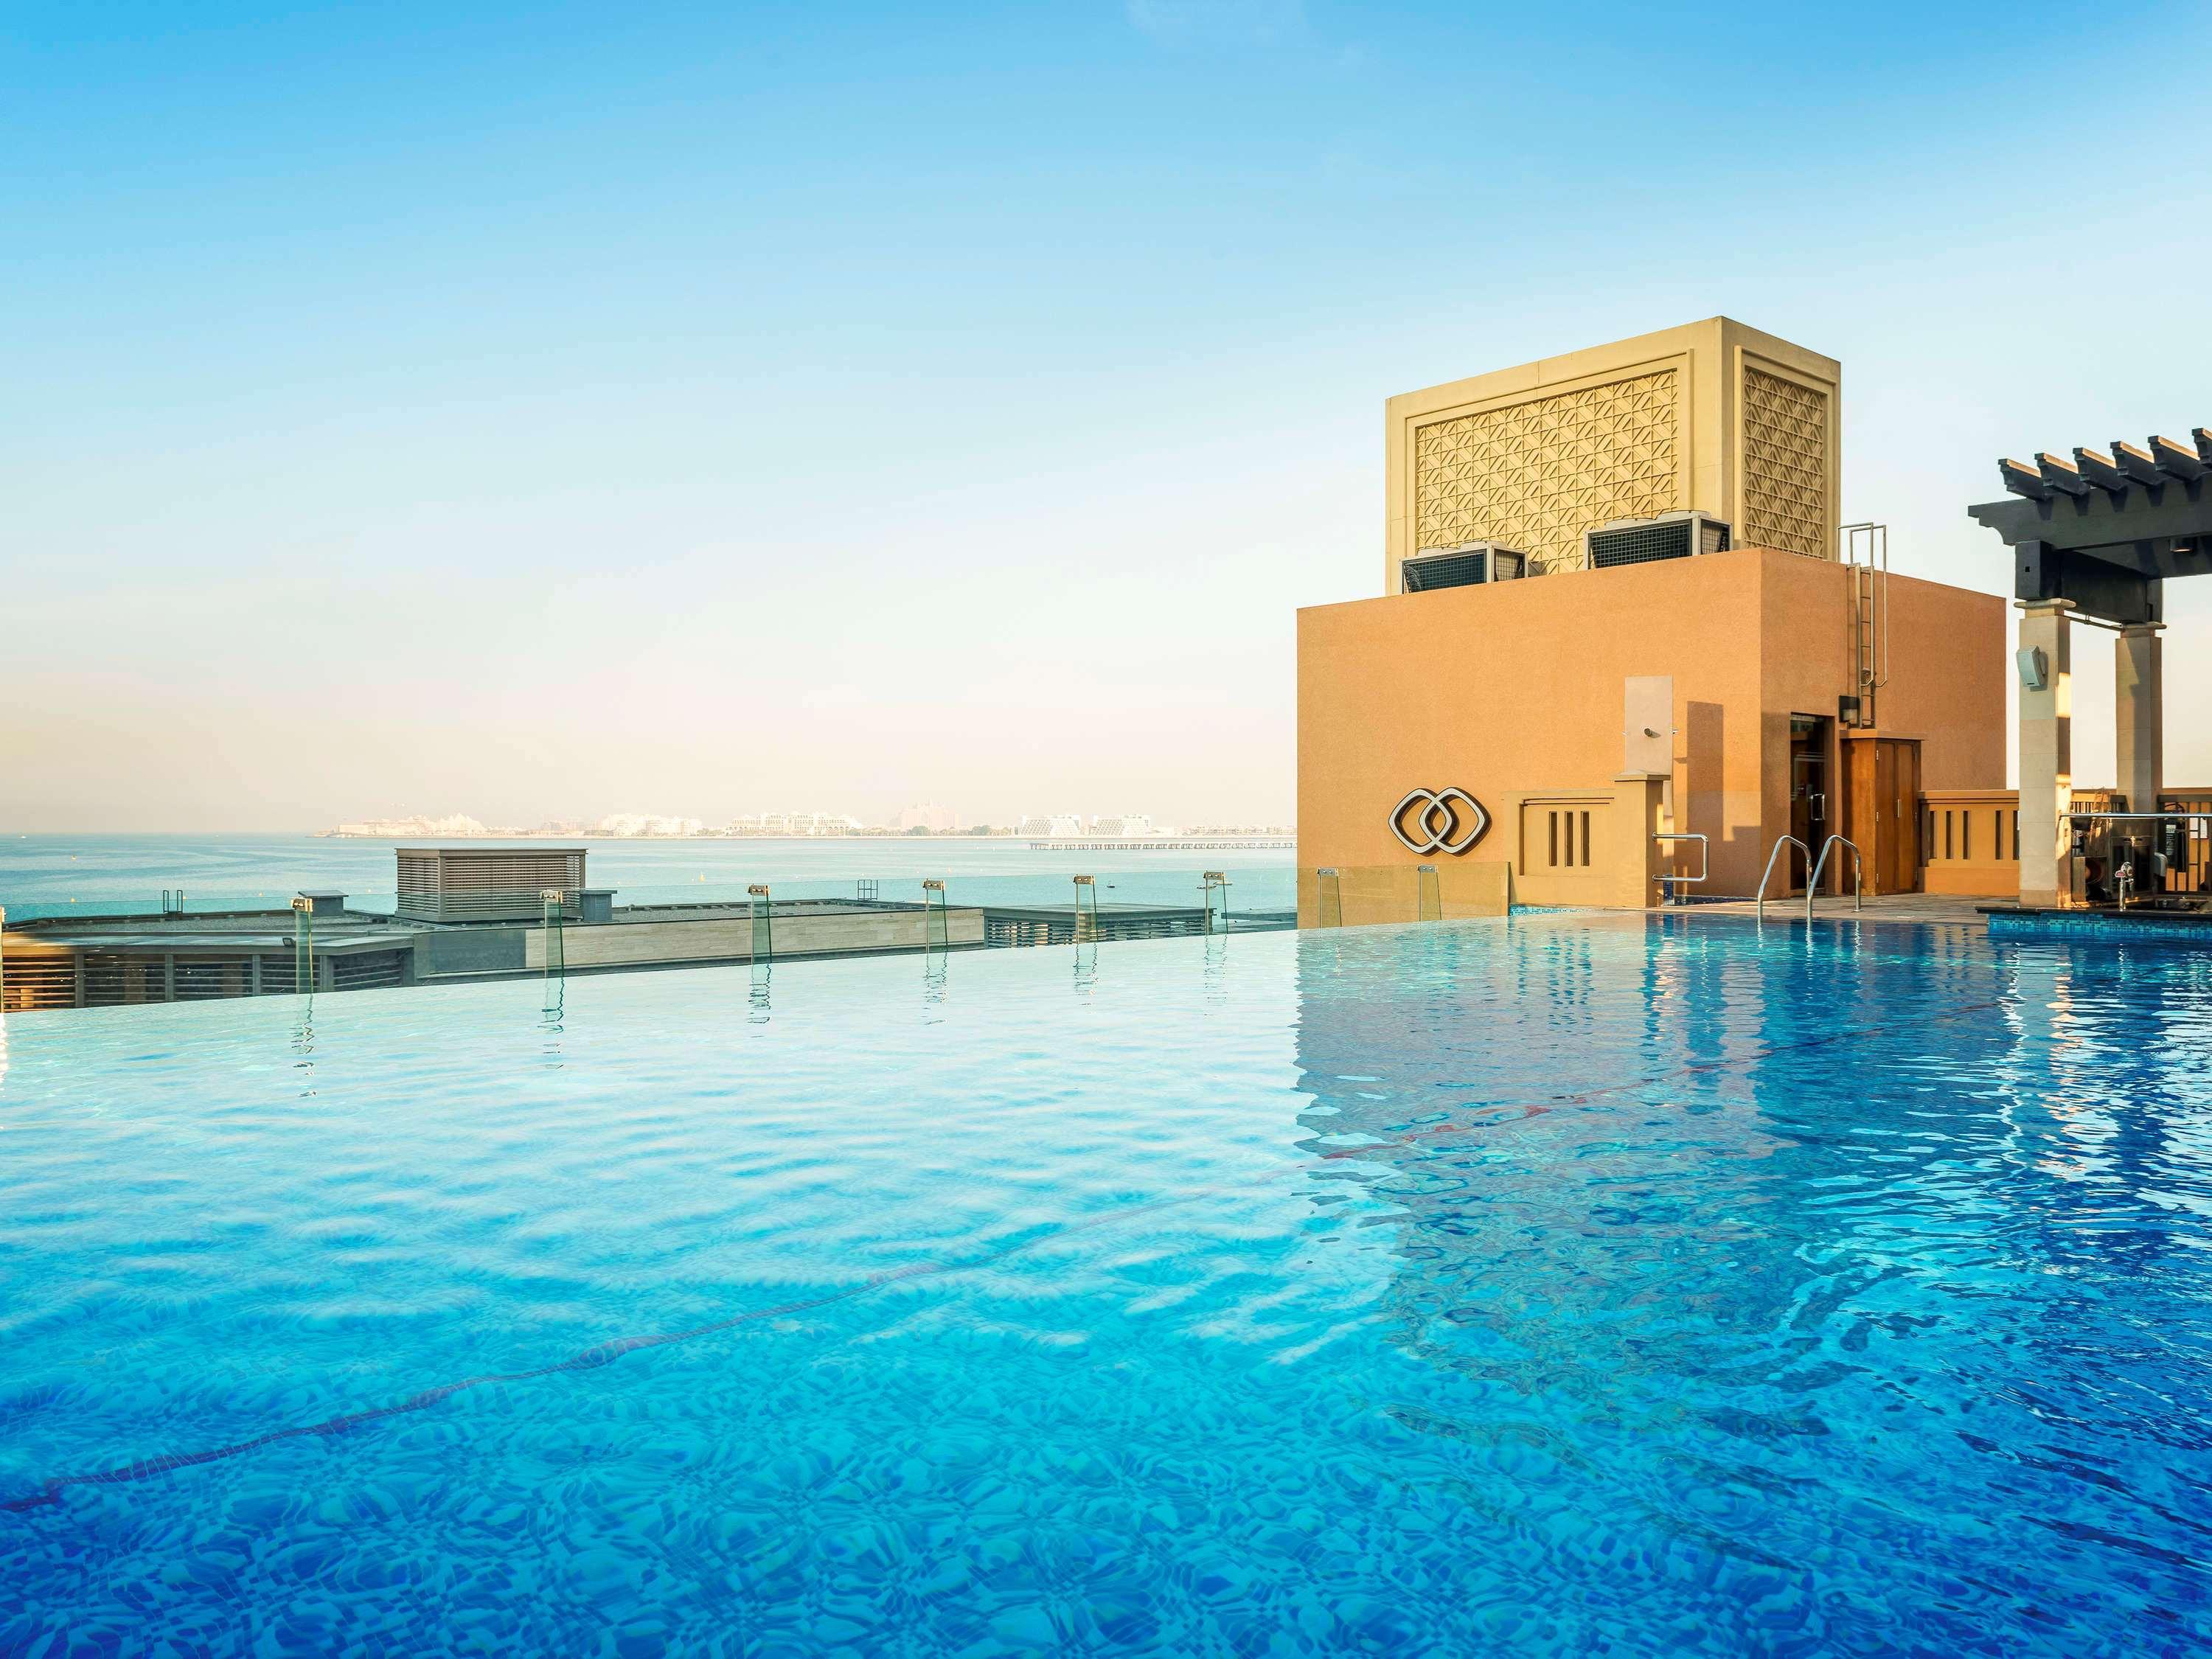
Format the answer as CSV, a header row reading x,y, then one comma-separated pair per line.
x,y
1758,899
2178,860
1858,874
1705,859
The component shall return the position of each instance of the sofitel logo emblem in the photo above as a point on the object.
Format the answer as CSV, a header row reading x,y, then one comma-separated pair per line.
x,y
1438,821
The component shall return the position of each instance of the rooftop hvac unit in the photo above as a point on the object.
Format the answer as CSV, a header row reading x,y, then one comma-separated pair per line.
x,y
1464,566
485,884
1639,541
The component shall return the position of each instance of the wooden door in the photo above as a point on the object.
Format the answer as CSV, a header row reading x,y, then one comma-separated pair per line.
x,y
1904,817
1880,849
1882,813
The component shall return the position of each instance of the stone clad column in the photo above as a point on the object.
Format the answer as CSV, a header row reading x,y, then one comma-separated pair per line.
x,y
2139,716
2046,747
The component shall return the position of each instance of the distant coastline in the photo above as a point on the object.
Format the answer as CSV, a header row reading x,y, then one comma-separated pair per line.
x,y
1130,832
356,832
630,826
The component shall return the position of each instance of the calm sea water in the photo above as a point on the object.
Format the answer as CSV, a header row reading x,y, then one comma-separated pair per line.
x,y
53,875
1554,1287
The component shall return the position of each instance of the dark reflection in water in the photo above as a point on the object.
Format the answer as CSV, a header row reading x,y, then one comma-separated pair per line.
x,y
1851,1285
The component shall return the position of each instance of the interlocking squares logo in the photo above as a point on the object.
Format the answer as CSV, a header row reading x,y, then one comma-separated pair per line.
x,y
1438,821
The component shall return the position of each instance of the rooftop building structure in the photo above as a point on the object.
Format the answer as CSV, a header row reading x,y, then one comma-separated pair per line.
x,y
1625,648
484,884
1714,417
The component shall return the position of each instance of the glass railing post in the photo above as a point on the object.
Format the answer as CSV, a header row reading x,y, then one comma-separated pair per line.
x,y
1329,892
1086,910
935,933
763,932
557,959
303,946
1429,902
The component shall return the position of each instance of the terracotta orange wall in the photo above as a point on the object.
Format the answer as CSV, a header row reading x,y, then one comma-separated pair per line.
x,y
1517,688
1947,662
1510,688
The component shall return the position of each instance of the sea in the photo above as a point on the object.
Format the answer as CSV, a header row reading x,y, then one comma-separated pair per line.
x,y
120,874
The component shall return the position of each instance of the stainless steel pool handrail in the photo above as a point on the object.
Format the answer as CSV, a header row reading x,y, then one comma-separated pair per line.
x,y
1758,899
1705,856
1858,875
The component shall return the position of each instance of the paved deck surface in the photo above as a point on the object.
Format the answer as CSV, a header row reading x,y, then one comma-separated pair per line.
x,y
1890,907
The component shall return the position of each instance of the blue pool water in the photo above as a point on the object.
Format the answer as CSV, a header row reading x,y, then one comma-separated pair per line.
x,y
1561,1286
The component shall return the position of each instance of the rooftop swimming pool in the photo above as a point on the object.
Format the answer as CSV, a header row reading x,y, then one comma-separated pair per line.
x,y
1560,1286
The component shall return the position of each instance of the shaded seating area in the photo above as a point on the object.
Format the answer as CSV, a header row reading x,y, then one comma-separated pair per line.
x,y
2092,541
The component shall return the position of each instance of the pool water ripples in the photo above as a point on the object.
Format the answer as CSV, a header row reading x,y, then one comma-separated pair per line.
x,y
1567,1285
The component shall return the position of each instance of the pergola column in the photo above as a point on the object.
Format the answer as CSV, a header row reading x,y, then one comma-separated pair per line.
x,y
2139,716
2046,745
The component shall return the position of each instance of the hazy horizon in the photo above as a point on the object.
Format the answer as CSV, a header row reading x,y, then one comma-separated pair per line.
x,y
560,412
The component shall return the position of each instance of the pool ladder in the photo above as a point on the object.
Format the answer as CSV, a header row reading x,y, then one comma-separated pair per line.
x,y
1670,886
1813,881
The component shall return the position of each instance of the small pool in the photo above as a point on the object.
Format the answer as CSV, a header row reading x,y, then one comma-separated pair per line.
x,y
1562,1286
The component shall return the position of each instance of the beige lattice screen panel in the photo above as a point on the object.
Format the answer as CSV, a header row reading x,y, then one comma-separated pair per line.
x,y
1536,475
1785,465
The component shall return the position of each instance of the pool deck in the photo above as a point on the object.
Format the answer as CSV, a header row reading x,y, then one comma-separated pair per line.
x,y
1889,906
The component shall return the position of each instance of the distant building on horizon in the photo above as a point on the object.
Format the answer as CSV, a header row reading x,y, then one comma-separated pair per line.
x,y
626,825
938,820
794,823
453,827
1110,826
1056,824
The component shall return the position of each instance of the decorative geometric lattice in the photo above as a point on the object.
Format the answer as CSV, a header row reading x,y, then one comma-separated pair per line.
x,y
1534,476
1785,465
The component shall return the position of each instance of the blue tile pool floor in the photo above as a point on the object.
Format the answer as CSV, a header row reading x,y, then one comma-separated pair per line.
x,y
1565,1286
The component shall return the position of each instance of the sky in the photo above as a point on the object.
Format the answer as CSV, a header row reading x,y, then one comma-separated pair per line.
x,y
564,411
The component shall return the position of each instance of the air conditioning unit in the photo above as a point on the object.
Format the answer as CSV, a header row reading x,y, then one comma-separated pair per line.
x,y
1464,566
1639,541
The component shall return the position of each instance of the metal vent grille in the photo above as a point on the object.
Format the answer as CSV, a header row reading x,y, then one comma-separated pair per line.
x,y
199,978
1437,570
1640,545
110,979
367,970
483,884
1650,539
1468,565
36,979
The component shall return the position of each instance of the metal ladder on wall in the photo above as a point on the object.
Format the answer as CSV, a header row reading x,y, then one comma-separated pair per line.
x,y
1866,563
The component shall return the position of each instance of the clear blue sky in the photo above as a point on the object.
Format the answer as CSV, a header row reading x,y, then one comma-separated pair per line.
x,y
707,409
